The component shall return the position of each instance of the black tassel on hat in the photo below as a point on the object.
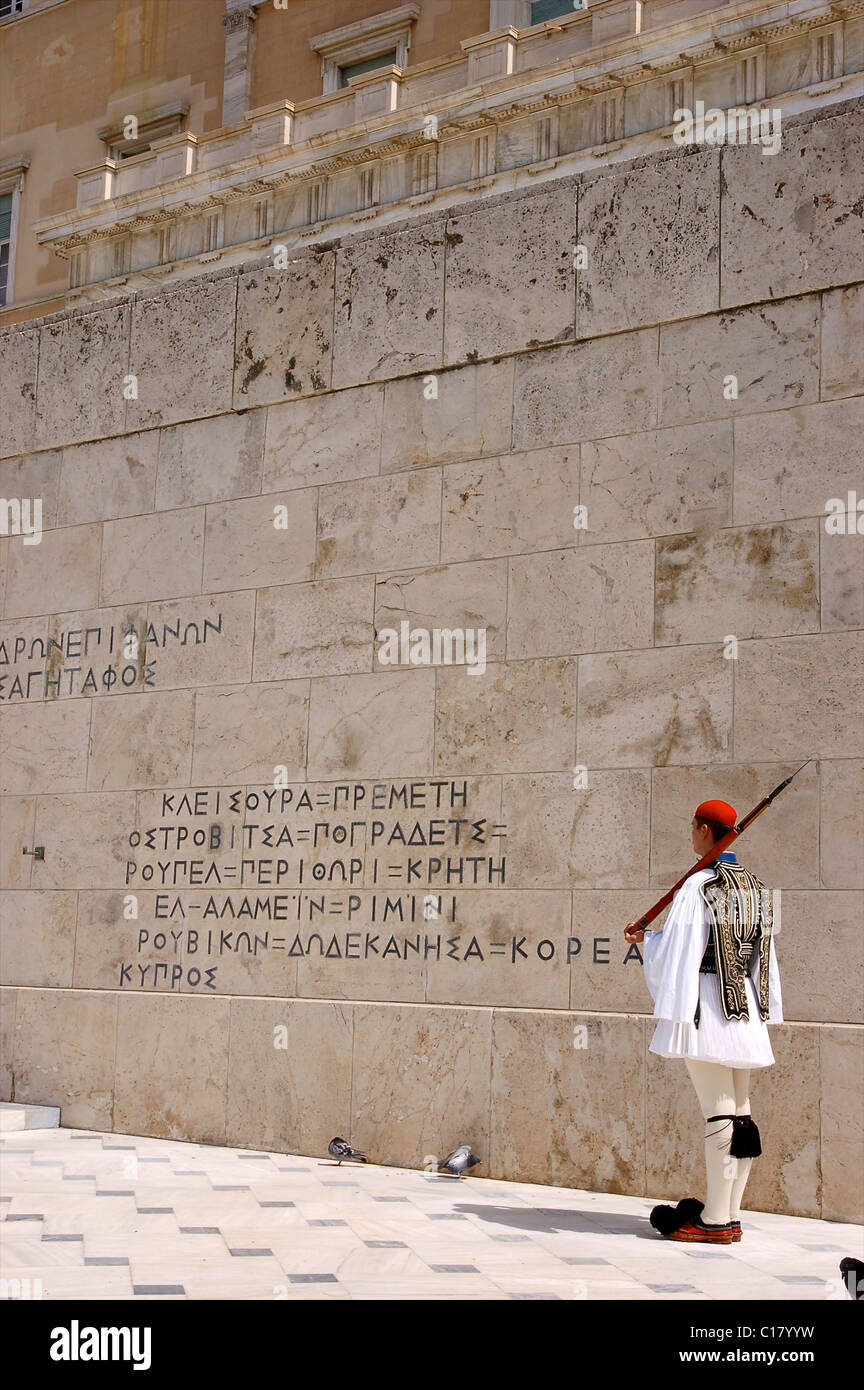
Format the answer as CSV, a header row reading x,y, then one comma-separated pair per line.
x,y
667,1219
745,1138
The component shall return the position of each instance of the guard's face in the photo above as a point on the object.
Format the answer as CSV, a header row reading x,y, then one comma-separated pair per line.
x,y
697,836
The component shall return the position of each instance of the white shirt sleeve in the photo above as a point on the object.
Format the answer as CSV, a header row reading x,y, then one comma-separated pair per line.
x,y
672,956
775,998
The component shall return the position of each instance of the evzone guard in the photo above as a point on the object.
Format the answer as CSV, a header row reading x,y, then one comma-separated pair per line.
x,y
713,975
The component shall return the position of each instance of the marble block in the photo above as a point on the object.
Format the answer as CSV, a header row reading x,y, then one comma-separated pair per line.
x,y
141,741
22,656
466,416
294,1097
842,581
420,1082
58,574
842,810
565,394
43,747
210,460
216,643
243,732
510,276
789,463
34,478
799,697
324,439
789,220
284,331
652,237
111,950
83,363
510,506
656,482
108,478
389,305
842,1124
63,1054
323,629
820,950
606,974
400,975
152,557
742,581
453,597
85,839
8,999
558,836
577,1111
513,717
651,708
17,817
244,547
791,1180
38,938
182,353
597,598
378,523
372,725
171,1067
772,350
19,360
511,937
88,655
843,342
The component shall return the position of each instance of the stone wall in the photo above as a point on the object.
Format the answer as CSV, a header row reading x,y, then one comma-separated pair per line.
x,y
255,474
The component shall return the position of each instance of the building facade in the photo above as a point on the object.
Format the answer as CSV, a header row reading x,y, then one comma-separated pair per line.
x,y
436,441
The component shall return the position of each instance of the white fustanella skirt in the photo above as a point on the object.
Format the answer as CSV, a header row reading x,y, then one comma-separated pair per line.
x,y
729,1042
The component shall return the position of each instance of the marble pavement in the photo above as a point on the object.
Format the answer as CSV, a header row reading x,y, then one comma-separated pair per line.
x,y
90,1215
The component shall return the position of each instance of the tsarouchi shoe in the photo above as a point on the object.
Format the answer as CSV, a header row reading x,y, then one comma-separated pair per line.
x,y
735,1228
666,1219
696,1230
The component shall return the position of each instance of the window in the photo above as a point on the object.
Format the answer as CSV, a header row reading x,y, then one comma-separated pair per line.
x,y
122,143
8,7
541,10
354,69
12,171
364,44
5,242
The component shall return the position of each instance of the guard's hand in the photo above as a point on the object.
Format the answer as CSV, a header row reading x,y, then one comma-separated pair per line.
x,y
633,933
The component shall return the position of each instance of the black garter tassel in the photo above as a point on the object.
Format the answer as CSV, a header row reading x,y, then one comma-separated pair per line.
x,y
667,1219
745,1138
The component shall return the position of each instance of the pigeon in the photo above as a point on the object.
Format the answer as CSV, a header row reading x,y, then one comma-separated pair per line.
x,y
853,1277
459,1160
339,1149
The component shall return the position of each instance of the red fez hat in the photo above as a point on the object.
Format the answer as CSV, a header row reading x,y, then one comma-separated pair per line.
x,y
719,811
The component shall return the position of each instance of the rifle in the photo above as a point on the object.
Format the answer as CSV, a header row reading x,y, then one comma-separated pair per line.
x,y
716,849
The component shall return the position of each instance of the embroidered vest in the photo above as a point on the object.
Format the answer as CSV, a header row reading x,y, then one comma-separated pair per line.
x,y
740,914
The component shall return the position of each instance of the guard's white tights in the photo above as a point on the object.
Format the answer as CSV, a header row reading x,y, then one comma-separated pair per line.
x,y
721,1091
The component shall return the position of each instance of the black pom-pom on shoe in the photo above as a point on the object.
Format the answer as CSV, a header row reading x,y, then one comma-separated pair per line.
x,y
666,1219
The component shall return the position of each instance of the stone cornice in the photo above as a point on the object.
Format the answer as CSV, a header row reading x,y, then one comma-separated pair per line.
x,y
377,24
13,166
